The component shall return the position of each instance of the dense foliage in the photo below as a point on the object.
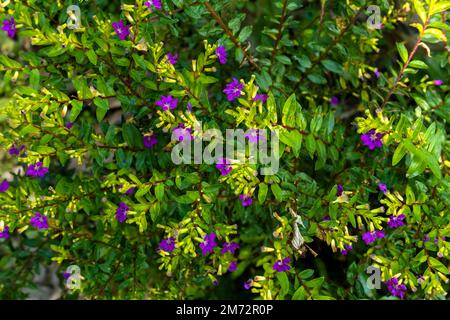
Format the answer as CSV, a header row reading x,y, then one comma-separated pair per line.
x,y
89,103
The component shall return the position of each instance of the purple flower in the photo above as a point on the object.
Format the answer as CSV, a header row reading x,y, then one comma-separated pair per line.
x,y
14,151
229,246
436,240
167,244
438,82
233,266
153,3
233,89
255,135
224,166
4,186
121,212
246,200
340,190
347,249
221,54
5,233
248,284
150,140
371,236
39,221
261,96
215,282
189,106
377,73
334,101
69,125
36,170
167,103
383,187
282,266
129,191
396,221
172,58
9,26
182,133
327,218
396,289
208,244
121,29
372,139
66,275
426,238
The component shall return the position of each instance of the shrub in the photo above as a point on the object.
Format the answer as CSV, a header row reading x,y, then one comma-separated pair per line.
x,y
97,100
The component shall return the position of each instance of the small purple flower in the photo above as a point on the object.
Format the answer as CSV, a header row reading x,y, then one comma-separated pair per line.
x,y
340,190
121,212
248,284
347,249
436,240
246,200
69,125
426,238
438,82
208,244
334,101
167,103
261,96
150,140
233,89
371,236
282,265
182,133
396,289
172,58
167,244
224,166
14,151
215,282
233,266
66,275
5,233
255,135
153,3
4,186
189,106
396,221
36,170
9,26
39,221
372,139
420,279
129,191
229,246
383,188
377,73
327,218
221,54
122,30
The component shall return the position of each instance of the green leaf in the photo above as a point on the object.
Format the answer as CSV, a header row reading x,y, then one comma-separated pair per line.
x,y
155,210
245,33
300,294
92,56
29,129
276,190
35,78
437,265
315,283
310,145
333,66
262,192
284,59
402,51
399,153
159,191
306,274
132,136
440,7
418,64
284,282
102,108
420,10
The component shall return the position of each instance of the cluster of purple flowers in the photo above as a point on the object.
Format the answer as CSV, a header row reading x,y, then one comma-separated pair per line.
x,y
224,166
4,186
396,221
396,289
167,244
348,247
167,102
233,90
221,54
172,58
150,140
153,3
230,247
9,26
208,244
340,190
246,200
282,265
39,221
14,151
182,133
121,212
122,30
36,170
372,139
371,236
5,233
